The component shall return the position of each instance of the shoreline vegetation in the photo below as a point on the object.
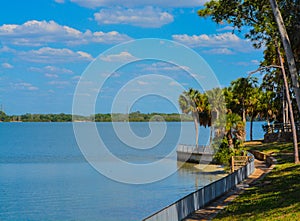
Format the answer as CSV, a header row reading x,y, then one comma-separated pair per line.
x,y
116,117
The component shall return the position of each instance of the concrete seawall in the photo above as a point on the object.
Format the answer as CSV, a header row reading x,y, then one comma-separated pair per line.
x,y
200,198
192,154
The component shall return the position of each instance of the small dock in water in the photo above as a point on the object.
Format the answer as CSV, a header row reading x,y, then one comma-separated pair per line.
x,y
194,154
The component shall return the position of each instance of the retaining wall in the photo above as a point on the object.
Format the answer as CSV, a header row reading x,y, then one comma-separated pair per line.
x,y
200,198
264,157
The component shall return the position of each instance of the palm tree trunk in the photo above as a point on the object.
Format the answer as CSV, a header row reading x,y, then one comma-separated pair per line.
x,y
230,139
245,121
195,117
251,128
244,114
294,132
214,118
212,128
288,51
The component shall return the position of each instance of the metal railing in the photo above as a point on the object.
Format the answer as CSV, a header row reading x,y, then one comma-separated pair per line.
x,y
200,149
279,127
200,198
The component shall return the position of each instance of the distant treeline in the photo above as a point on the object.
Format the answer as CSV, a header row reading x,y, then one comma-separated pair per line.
x,y
133,117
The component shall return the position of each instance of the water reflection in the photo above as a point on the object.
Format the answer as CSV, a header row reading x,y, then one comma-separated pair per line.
x,y
203,174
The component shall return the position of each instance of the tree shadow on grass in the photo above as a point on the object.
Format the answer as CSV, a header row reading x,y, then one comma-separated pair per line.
x,y
276,195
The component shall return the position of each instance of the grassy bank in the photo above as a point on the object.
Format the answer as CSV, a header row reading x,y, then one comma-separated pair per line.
x,y
277,196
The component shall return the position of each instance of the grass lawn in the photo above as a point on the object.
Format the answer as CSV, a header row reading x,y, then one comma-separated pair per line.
x,y
277,196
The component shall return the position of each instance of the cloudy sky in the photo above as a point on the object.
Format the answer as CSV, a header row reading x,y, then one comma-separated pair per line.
x,y
46,45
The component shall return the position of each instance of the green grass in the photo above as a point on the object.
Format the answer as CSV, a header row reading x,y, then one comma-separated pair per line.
x,y
276,197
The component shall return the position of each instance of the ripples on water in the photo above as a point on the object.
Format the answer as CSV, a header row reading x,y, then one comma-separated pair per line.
x,y
43,176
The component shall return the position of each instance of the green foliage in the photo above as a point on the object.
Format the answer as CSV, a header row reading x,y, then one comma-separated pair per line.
x,y
228,143
3,116
258,18
203,106
224,153
276,197
261,28
134,117
240,96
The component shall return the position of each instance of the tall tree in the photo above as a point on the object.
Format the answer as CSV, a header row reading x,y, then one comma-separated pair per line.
x,y
253,107
294,131
188,101
217,107
232,126
240,97
258,17
288,50
268,108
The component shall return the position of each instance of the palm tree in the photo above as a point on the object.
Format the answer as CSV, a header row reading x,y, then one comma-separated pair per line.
x,y
234,128
240,94
188,104
217,106
267,107
254,109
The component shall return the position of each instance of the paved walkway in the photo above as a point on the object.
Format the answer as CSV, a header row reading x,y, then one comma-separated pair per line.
x,y
210,211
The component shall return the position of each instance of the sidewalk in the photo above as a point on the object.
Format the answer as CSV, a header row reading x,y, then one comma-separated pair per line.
x,y
210,211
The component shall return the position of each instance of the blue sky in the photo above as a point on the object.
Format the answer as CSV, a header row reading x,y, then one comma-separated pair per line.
x,y
46,45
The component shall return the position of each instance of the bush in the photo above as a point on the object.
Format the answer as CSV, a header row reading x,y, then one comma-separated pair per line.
x,y
224,152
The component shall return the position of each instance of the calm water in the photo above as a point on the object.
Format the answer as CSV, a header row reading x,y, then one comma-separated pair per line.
x,y
43,175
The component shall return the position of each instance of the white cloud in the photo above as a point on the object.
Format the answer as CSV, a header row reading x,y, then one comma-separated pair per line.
x,y
38,33
122,57
226,42
85,55
60,1
76,77
255,62
142,83
58,70
205,40
52,70
24,86
149,17
173,83
111,37
137,3
51,75
54,55
59,83
7,65
219,51
247,63
163,66
6,49
226,28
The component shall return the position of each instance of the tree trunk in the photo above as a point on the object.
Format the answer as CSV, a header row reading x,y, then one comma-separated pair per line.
x,y
244,114
288,98
211,134
214,118
288,51
245,121
195,117
230,139
251,128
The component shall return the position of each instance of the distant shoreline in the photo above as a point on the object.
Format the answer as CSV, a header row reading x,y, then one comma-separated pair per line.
x,y
115,117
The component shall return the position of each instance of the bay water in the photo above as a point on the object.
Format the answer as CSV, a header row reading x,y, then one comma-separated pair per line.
x,y
44,175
